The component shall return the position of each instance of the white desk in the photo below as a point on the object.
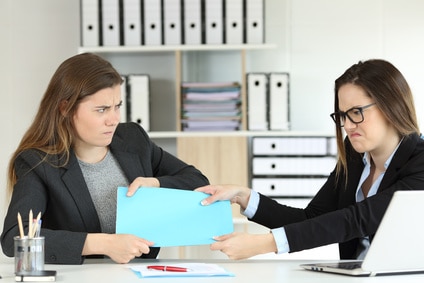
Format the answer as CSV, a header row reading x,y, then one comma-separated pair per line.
x,y
248,271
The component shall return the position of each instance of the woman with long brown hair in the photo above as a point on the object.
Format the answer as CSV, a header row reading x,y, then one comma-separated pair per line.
x,y
72,159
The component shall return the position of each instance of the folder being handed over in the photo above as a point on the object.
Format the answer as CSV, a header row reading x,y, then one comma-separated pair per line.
x,y
171,217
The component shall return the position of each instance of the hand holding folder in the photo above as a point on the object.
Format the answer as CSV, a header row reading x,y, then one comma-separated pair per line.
x,y
171,217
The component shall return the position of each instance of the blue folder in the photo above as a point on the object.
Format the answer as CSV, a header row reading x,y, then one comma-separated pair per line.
x,y
171,217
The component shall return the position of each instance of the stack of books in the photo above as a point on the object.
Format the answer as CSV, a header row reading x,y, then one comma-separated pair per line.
x,y
211,106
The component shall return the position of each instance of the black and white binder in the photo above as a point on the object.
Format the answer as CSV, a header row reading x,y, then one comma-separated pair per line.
x,y
257,101
192,18
214,22
279,101
110,23
172,24
152,22
138,88
132,22
234,25
90,23
254,26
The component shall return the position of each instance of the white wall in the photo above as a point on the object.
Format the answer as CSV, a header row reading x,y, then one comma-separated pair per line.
x,y
317,40
36,36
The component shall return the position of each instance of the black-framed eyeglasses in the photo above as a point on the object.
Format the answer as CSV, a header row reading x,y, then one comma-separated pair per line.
x,y
354,114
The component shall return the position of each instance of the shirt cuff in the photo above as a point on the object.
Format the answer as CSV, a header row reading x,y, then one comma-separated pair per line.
x,y
281,240
252,205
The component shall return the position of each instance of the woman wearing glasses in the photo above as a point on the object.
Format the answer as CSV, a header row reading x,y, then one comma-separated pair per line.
x,y
379,152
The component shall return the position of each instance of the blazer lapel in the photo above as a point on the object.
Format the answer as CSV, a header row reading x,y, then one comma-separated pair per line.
x,y
129,162
402,155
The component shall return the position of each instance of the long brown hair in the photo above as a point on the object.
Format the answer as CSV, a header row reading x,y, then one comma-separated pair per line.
x,y
51,131
388,88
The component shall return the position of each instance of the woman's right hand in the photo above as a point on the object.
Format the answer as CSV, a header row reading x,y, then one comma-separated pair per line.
x,y
234,193
121,248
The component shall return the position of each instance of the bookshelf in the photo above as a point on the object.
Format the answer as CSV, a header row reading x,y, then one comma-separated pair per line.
x,y
222,156
178,51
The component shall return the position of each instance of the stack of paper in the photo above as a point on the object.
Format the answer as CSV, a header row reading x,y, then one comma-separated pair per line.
x,y
194,270
211,106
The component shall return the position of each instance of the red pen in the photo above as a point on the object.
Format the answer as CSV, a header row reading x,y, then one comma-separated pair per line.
x,y
168,268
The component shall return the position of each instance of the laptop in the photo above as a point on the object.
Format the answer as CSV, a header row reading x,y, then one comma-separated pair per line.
x,y
398,245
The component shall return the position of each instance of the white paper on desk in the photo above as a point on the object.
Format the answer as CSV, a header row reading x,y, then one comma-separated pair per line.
x,y
171,217
195,270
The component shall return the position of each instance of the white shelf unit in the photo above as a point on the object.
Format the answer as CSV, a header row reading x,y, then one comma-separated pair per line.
x,y
176,54
168,48
175,134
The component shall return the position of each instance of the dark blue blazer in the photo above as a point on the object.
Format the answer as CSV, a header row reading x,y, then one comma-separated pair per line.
x,y
333,216
62,196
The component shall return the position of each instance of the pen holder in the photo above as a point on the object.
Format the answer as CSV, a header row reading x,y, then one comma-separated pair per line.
x,y
29,254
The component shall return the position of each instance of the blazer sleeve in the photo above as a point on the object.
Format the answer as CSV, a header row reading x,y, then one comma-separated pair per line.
x,y
61,195
37,188
352,220
273,214
156,162
333,216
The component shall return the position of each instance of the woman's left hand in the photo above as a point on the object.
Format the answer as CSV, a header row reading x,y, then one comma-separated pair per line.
x,y
142,182
243,245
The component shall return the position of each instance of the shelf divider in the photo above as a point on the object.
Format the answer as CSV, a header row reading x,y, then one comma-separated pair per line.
x,y
172,48
178,78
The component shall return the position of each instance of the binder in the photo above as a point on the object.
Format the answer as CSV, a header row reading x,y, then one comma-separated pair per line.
x,y
294,166
254,27
90,23
214,22
138,87
132,22
152,22
290,146
192,18
172,28
257,101
278,101
124,99
284,187
110,23
234,22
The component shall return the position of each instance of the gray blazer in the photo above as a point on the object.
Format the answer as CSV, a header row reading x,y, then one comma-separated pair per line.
x,y
62,196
